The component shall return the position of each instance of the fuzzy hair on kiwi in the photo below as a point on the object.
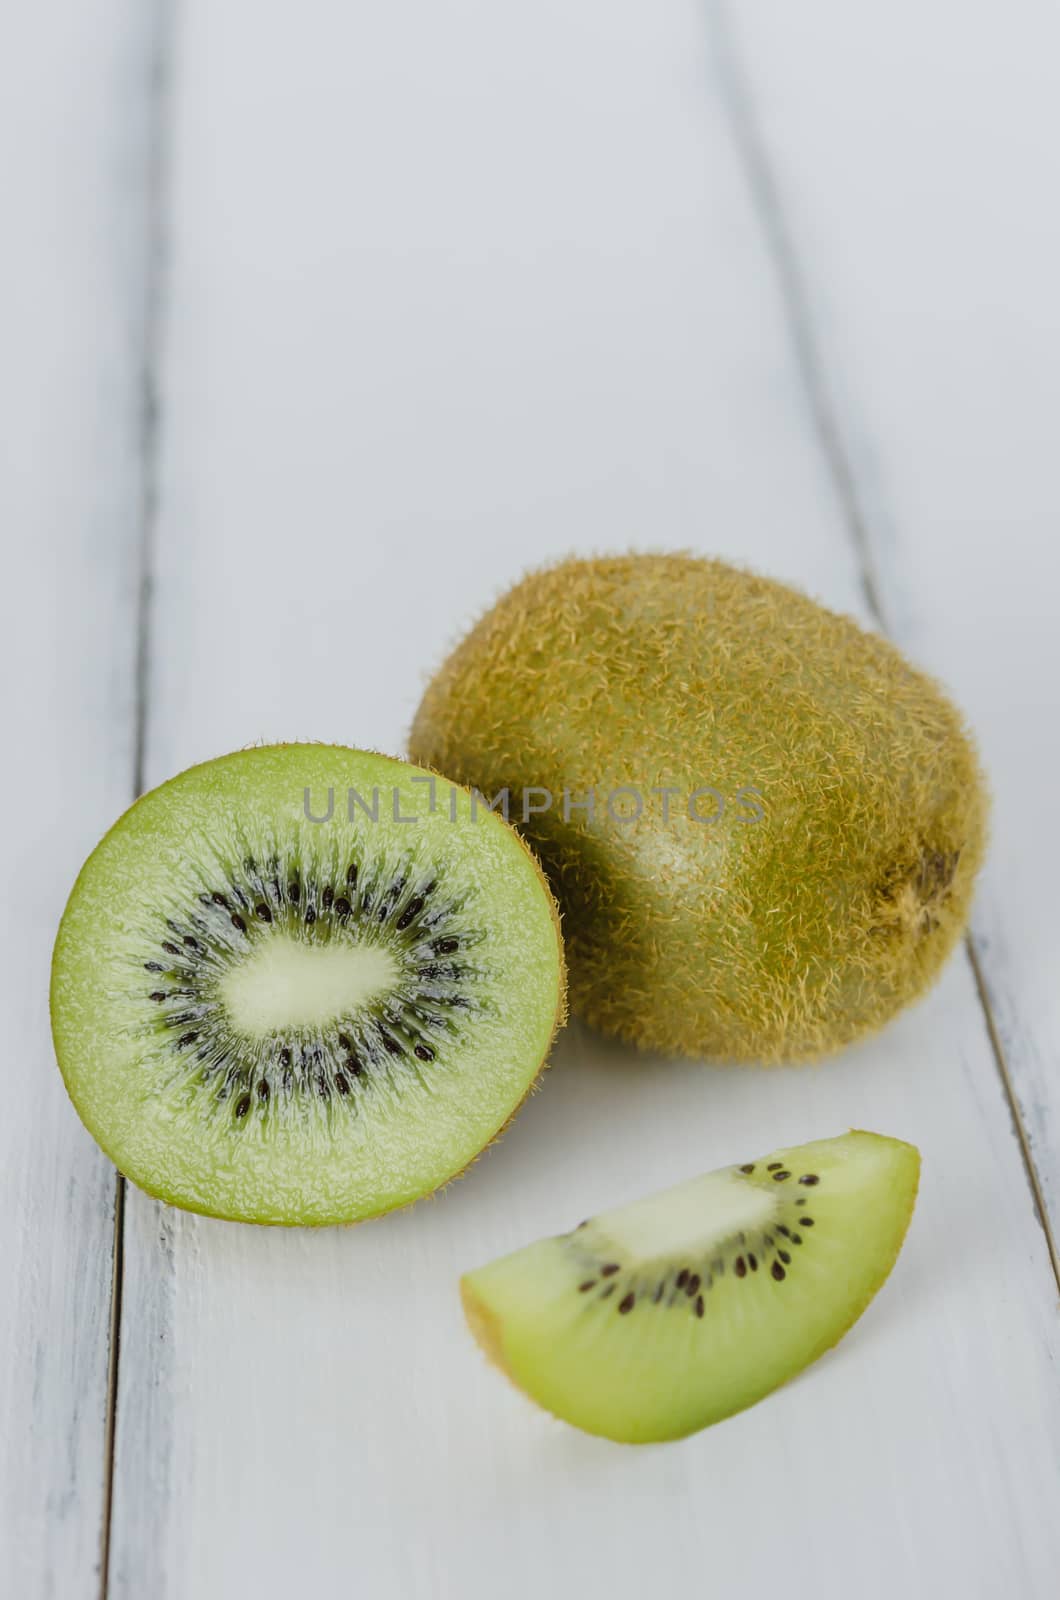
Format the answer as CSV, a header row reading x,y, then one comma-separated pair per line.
x,y
826,891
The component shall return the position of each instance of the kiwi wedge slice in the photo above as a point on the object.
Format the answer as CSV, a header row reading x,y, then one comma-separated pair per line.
x,y
304,984
659,1318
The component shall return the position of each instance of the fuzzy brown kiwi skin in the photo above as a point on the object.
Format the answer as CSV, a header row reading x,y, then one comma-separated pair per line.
x,y
882,819
487,1327
557,1025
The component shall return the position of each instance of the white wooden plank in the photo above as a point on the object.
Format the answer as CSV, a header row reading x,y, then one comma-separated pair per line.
x,y
916,149
454,289
72,84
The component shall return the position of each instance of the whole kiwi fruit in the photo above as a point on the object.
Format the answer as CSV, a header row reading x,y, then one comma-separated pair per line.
x,y
761,823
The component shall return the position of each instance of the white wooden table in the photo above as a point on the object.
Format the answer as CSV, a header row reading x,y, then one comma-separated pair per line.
x,y
318,324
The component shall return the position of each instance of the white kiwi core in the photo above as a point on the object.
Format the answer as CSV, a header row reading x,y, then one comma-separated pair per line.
x,y
689,1219
288,983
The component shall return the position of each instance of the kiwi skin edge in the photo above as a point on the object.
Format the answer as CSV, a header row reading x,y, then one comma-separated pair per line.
x,y
640,670
558,1023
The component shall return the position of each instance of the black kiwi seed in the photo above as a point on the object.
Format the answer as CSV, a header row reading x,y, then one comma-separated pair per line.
x,y
748,1167
157,994
425,1052
294,891
682,1277
805,1222
351,874
610,1269
627,1304
342,1083
752,1261
785,1231
263,912
242,1105
778,1272
740,1267
154,966
390,1044
692,1286
173,950
186,1039
285,1057
327,897
778,1177
784,1256
411,912
590,1283
342,906
774,1166
699,1305
344,1041
219,899
263,1089
310,917
809,1178
237,922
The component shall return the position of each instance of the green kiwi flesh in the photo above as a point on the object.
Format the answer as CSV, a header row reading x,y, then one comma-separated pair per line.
x,y
265,1015
657,1319
812,812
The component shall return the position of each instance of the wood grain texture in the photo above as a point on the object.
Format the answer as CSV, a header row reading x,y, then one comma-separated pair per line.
x,y
71,124
454,289
913,177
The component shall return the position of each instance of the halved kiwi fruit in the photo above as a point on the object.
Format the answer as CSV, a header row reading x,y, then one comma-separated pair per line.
x,y
659,1318
304,984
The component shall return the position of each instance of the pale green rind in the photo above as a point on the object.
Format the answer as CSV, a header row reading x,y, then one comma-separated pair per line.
x,y
656,1374
399,1146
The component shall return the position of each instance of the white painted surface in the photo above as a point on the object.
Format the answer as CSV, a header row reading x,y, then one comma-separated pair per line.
x,y
452,288
71,130
919,173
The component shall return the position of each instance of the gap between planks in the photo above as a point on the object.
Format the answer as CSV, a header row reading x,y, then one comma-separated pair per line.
x,y
159,77
796,301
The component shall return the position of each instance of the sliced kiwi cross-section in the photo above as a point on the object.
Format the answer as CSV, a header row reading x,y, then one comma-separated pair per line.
x,y
303,984
656,1319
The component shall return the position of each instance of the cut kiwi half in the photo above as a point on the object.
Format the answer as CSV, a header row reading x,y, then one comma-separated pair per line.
x,y
659,1318
304,984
